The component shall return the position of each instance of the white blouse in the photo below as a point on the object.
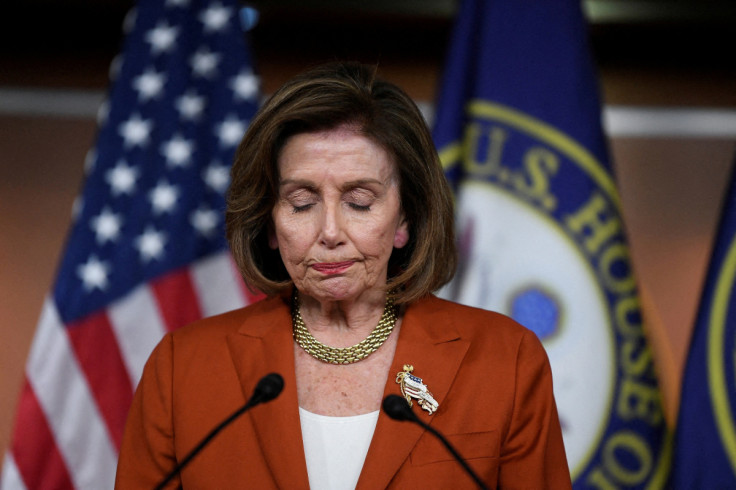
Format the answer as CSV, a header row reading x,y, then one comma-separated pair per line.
x,y
335,448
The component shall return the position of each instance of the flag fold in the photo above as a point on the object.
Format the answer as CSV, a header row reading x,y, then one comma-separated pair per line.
x,y
705,440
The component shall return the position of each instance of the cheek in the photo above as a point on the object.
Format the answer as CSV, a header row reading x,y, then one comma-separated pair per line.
x,y
292,236
279,234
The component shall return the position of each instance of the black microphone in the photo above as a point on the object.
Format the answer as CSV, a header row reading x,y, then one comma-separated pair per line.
x,y
268,388
398,408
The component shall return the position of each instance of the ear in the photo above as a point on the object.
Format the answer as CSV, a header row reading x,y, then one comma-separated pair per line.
x,y
401,236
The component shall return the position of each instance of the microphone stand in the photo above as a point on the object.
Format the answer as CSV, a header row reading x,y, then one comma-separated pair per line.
x,y
397,408
268,388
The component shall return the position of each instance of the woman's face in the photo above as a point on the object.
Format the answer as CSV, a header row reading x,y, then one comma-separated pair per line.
x,y
338,214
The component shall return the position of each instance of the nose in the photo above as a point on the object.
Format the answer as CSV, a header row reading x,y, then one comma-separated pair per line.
x,y
333,227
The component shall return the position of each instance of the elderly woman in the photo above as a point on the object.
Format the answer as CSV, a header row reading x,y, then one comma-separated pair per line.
x,y
339,211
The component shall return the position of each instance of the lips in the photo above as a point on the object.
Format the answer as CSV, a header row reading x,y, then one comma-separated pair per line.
x,y
332,267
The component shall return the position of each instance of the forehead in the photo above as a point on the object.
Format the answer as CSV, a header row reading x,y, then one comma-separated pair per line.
x,y
344,148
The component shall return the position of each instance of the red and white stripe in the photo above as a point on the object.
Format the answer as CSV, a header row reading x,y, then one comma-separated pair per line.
x,y
69,421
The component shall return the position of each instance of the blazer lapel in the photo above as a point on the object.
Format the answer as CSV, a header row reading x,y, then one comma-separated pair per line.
x,y
267,346
429,342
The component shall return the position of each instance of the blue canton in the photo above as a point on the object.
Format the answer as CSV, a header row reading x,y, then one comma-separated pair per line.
x,y
179,104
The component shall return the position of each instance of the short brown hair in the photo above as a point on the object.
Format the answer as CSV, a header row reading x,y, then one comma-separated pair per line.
x,y
324,98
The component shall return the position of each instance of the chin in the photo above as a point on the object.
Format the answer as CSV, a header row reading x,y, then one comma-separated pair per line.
x,y
334,289
337,293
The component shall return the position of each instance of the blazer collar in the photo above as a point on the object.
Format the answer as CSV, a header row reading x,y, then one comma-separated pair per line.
x,y
267,346
429,342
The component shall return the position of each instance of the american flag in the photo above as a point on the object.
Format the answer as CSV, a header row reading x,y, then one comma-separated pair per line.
x,y
146,251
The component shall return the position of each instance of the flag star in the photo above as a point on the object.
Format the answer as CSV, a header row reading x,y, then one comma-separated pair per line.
x,y
77,207
150,244
190,106
245,85
204,221
106,226
135,131
217,177
103,112
122,178
230,131
94,274
163,197
149,85
162,37
204,62
215,17
130,19
115,65
178,151
89,161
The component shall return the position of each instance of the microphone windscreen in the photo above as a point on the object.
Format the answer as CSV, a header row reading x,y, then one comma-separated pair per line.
x,y
397,408
269,387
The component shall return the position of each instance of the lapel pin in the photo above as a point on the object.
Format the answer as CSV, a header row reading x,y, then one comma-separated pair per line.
x,y
413,387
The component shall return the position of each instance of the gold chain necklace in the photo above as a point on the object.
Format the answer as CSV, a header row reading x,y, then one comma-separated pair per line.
x,y
343,355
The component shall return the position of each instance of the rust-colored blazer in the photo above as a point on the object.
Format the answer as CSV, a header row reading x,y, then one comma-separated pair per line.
x,y
490,376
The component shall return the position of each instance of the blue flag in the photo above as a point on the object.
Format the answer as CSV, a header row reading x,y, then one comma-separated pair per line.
x,y
518,128
146,251
705,442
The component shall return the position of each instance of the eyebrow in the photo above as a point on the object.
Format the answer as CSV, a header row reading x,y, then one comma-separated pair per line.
x,y
360,183
348,185
299,182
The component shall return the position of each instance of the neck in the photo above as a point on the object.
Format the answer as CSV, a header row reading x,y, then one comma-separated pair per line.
x,y
343,318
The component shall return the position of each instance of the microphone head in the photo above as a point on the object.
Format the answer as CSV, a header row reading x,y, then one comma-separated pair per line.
x,y
398,408
269,387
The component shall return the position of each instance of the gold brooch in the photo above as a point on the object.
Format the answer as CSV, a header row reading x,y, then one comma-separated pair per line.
x,y
413,387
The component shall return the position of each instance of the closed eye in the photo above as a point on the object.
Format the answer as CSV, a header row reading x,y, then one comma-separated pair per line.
x,y
299,209
359,207
359,198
